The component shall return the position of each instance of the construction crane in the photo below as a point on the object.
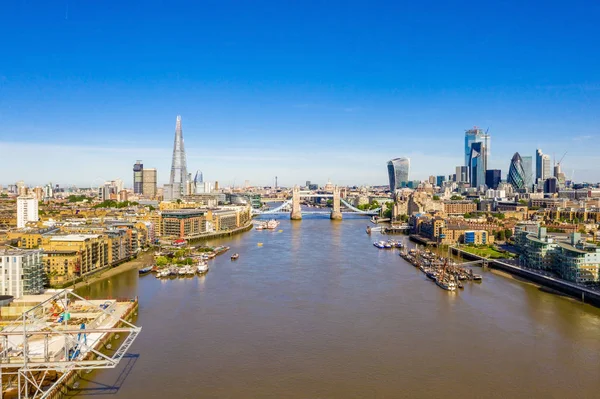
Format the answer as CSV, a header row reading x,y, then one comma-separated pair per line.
x,y
561,158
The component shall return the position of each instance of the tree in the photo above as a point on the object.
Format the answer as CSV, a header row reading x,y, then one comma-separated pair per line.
x,y
508,233
499,216
582,231
500,235
436,197
162,261
467,215
524,202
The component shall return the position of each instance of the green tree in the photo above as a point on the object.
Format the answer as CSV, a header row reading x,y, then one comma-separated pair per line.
x,y
456,198
436,197
500,235
162,261
523,202
508,233
467,215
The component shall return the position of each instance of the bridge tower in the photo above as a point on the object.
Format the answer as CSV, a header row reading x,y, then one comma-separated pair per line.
x,y
336,214
296,213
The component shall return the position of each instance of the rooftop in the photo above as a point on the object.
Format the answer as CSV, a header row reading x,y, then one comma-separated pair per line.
x,y
75,237
16,251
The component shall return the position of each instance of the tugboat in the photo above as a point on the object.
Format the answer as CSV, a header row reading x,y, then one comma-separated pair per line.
x,y
235,256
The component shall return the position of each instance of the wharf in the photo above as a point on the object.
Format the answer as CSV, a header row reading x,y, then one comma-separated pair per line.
x,y
422,240
221,234
581,293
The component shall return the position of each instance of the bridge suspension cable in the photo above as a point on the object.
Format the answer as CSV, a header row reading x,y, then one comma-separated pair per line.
x,y
370,212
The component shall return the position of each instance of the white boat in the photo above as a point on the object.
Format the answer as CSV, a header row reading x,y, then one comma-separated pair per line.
x,y
272,224
181,271
202,268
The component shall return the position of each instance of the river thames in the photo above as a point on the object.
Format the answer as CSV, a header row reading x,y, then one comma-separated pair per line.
x,y
318,312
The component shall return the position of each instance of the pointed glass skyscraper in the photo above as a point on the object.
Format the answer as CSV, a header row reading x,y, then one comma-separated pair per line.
x,y
177,183
516,173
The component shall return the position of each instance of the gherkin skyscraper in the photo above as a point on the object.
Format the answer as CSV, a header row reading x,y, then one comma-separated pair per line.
x,y
516,173
178,165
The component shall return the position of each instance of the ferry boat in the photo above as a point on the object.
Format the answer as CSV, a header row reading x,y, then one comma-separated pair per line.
x,y
235,256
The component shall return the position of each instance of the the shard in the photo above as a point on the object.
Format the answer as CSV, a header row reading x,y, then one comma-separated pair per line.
x,y
177,184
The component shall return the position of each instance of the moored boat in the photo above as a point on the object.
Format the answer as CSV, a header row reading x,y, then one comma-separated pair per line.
x,y
145,270
202,268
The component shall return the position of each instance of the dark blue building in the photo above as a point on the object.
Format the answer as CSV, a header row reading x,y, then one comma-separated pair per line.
x,y
492,178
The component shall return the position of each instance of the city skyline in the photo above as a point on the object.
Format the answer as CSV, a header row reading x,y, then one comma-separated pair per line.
x,y
110,85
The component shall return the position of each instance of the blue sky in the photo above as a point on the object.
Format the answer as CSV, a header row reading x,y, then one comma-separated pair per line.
x,y
305,90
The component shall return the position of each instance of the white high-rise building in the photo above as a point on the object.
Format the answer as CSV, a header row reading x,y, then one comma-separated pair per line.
x,y
27,210
21,272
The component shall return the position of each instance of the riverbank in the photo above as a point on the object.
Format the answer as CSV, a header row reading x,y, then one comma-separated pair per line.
x,y
147,258
221,234
142,260
578,292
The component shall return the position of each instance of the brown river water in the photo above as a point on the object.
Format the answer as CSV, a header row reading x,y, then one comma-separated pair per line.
x,y
318,312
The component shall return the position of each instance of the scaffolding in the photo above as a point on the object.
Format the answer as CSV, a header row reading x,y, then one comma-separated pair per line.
x,y
42,349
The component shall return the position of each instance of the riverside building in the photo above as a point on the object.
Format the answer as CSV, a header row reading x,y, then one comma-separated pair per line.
x,y
21,272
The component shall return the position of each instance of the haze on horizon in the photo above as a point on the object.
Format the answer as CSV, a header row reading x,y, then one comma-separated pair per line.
x,y
306,91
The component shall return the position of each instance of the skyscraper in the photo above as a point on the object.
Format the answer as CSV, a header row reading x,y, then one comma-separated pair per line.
x,y
473,136
551,185
492,178
528,170
477,164
149,183
138,178
398,169
462,174
543,169
516,174
476,135
177,183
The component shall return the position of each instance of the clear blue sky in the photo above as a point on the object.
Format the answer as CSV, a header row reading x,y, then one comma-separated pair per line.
x,y
302,90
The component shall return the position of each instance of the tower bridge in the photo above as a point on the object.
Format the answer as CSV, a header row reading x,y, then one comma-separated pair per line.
x,y
296,210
